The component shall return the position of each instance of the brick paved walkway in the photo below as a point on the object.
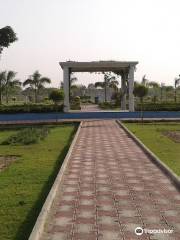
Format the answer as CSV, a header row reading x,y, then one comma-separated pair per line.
x,y
110,188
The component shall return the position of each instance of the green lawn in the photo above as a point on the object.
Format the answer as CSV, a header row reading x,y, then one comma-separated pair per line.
x,y
26,183
166,149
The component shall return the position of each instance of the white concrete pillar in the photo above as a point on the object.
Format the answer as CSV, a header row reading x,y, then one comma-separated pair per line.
x,y
123,89
66,79
131,88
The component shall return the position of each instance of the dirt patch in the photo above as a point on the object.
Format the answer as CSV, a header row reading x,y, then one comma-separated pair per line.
x,y
173,135
7,160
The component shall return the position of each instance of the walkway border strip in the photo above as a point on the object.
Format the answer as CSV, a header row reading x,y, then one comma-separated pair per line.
x,y
41,220
167,171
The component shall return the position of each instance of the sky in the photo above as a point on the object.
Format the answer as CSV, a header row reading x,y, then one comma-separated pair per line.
x,y
147,31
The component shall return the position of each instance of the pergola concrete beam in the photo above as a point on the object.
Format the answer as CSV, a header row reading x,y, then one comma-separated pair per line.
x,y
98,66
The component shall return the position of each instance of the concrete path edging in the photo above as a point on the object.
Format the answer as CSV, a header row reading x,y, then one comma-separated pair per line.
x,y
40,222
168,172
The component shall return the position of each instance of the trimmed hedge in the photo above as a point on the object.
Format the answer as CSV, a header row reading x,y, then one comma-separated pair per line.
x,y
159,107
31,108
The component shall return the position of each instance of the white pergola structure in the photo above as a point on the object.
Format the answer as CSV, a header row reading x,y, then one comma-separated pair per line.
x,y
124,69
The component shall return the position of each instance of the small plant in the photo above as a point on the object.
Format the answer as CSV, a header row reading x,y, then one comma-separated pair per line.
x,y
27,136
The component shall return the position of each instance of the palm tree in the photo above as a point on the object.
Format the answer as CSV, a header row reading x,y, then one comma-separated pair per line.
x,y
176,83
36,82
10,82
2,84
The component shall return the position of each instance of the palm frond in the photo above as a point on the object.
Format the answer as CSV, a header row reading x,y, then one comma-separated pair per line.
x,y
28,81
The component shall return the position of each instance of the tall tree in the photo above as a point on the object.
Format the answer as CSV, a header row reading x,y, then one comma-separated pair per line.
x,y
2,84
36,82
176,83
10,82
7,36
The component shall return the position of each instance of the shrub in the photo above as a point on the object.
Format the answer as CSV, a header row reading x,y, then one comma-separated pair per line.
x,y
159,107
56,96
31,108
27,136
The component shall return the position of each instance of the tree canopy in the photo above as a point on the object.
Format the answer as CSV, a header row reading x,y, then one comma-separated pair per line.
x,y
7,36
140,91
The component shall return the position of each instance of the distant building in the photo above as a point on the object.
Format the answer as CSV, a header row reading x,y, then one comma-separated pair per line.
x,y
96,95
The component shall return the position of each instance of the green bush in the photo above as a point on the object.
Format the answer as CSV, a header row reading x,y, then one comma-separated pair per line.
x,y
31,108
27,136
159,107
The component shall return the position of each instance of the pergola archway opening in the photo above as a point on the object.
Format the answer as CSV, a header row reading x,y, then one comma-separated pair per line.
x,y
124,69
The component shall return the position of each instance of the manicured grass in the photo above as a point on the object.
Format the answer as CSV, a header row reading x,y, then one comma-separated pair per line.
x,y
26,183
166,149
